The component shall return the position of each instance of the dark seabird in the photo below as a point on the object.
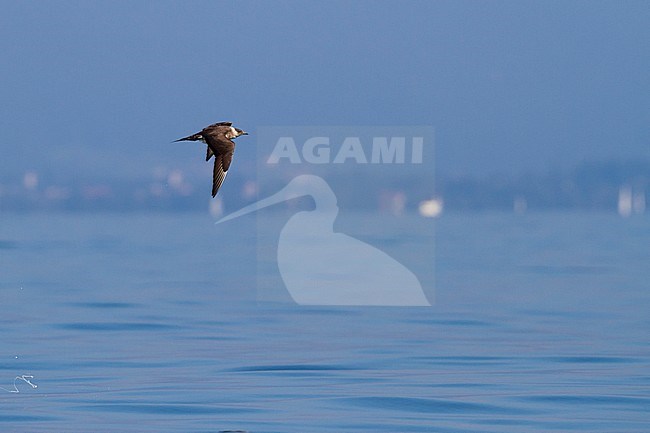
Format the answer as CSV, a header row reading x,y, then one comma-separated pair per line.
x,y
218,137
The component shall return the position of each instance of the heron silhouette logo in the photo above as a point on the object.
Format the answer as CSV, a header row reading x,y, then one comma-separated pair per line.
x,y
321,267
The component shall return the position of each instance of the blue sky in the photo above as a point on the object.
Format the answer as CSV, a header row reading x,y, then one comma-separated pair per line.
x,y
99,89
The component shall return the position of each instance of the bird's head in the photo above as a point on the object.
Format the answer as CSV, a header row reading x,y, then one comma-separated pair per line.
x,y
240,132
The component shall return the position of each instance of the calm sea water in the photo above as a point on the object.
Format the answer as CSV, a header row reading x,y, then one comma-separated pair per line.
x,y
153,323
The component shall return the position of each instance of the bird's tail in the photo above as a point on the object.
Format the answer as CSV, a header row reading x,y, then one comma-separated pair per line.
x,y
193,137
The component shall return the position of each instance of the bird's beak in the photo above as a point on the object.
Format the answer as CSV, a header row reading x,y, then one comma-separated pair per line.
x,y
304,185
269,201
244,133
287,193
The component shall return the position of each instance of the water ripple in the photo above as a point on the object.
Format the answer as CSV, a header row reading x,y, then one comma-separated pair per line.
x,y
589,359
165,409
8,245
104,305
114,326
426,405
591,400
291,367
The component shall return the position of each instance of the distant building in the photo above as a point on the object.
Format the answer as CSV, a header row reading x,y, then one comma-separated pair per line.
x,y
430,208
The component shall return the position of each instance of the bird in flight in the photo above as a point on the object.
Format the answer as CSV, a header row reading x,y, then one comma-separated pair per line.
x,y
218,137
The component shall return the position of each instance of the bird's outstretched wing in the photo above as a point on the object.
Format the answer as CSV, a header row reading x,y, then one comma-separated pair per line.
x,y
221,164
216,125
223,149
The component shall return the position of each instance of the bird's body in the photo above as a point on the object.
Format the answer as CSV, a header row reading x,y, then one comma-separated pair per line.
x,y
218,137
